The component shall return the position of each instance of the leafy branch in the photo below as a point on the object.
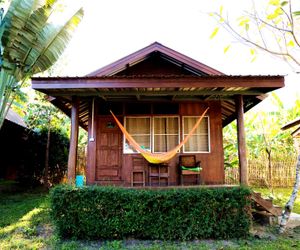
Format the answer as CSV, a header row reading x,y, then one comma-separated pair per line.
x,y
275,32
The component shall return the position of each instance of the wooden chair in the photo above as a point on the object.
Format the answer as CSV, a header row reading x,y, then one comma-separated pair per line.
x,y
138,172
158,174
186,162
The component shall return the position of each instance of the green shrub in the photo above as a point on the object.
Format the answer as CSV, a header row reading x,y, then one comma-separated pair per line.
x,y
95,212
34,163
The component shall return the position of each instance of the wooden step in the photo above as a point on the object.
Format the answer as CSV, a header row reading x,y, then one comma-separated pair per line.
x,y
279,209
266,204
264,213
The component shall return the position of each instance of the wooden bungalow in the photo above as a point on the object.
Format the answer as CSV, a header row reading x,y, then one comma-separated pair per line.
x,y
157,94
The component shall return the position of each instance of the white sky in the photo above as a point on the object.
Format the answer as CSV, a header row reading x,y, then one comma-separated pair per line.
x,y
112,29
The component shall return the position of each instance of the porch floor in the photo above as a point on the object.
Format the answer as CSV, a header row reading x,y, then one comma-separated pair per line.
x,y
183,186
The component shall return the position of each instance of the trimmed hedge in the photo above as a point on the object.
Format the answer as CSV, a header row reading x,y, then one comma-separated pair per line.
x,y
95,212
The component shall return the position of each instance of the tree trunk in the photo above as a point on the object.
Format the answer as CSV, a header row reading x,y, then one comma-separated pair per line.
x,y
270,169
289,205
46,174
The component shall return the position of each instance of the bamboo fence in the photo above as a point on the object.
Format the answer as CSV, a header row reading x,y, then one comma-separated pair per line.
x,y
283,173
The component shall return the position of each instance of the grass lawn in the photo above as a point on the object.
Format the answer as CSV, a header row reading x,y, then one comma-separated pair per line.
x,y
25,224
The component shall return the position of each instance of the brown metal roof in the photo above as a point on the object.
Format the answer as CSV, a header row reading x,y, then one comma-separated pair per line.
x,y
175,57
296,133
168,81
162,88
15,118
157,74
292,124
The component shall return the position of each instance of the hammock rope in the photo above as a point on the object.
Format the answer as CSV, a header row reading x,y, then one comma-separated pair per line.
x,y
157,158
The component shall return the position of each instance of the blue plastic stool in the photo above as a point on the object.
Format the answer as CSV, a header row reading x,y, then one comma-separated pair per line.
x,y
79,182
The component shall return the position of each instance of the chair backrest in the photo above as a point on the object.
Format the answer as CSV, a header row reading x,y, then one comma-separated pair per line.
x,y
187,160
139,163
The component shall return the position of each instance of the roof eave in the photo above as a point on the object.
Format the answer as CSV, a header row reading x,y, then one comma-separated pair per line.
x,y
273,82
291,124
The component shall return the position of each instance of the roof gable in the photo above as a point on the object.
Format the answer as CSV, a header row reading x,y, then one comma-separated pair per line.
x,y
156,65
156,54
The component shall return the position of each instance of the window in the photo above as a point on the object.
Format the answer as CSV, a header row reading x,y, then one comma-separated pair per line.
x,y
139,128
199,141
165,133
161,133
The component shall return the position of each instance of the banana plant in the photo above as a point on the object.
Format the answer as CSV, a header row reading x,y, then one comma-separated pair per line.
x,y
31,41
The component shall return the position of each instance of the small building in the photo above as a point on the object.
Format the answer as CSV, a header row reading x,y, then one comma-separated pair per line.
x,y
296,132
157,94
13,138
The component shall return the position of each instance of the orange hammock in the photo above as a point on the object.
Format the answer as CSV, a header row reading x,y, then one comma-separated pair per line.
x,y
157,158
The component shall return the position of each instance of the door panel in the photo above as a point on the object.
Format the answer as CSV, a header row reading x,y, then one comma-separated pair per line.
x,y
103,139
109,150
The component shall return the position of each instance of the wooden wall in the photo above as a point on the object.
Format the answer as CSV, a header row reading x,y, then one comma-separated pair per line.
x,y
108,165
213,162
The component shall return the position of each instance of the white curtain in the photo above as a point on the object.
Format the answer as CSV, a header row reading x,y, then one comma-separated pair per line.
x,y
198,142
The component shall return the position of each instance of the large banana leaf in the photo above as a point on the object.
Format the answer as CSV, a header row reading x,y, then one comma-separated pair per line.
x,y
7,85
20,10
38,45
30,44
18,15
52,41
21,32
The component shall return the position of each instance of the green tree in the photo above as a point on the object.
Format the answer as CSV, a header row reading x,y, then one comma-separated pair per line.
x,y
31,42
274,31
48,122
265,139
43,118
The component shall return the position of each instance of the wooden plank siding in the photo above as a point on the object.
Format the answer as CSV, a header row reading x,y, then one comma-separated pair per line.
x,y
212,162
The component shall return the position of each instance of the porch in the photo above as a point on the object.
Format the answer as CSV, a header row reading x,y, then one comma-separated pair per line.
x,y
185,187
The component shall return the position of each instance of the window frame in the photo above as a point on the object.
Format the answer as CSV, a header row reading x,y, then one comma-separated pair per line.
x,y
153,134
181,133
124,138
208,135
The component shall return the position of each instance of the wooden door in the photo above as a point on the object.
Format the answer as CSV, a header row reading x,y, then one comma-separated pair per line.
x,y
109,150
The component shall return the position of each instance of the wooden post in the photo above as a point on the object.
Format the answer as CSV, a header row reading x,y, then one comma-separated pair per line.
x,y
241,140
73,141
91,154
